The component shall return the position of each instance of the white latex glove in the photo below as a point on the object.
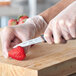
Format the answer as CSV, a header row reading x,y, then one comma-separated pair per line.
x,y
10,36
63,26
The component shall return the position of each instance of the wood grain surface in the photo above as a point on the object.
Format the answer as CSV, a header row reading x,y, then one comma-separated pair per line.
x,y
42,60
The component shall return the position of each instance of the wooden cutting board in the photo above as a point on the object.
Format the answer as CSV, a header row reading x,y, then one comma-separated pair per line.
x,y
42,60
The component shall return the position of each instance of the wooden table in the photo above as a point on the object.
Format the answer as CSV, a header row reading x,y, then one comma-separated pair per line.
x,y
42,60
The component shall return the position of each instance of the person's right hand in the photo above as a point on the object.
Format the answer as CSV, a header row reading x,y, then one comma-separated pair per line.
x,y
62,27
10,36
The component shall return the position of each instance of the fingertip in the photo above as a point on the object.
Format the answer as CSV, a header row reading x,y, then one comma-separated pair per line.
x,y
48,38
5,54
57,40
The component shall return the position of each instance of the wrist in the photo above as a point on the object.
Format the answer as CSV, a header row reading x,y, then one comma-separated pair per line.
x,y
51,12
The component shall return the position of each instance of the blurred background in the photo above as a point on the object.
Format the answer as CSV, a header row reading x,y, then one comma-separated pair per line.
x,y
14,8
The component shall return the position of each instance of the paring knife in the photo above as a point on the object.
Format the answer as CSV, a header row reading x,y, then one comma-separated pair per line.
x,y
32,41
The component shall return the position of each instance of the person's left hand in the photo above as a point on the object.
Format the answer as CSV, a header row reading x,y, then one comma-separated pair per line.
x,y
11,36
63,26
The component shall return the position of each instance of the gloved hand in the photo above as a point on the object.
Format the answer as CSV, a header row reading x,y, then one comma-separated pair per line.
x,y
63,26
10,36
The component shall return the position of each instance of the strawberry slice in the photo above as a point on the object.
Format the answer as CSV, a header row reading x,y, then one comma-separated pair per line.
x,y
17,53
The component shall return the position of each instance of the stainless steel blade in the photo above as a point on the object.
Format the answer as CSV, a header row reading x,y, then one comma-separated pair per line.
x,y
30,42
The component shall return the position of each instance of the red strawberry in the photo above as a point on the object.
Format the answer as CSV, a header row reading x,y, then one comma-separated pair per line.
x,y
12,22
17,53
22,18
22,21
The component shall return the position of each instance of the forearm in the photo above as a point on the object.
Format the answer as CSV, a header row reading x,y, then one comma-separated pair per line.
x,y
56,9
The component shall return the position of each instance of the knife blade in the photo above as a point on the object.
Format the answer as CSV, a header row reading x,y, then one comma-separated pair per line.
x,y
31,42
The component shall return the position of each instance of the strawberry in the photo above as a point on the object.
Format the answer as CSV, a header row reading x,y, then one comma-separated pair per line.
x,y
21,22
12,22
22,19
17,53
